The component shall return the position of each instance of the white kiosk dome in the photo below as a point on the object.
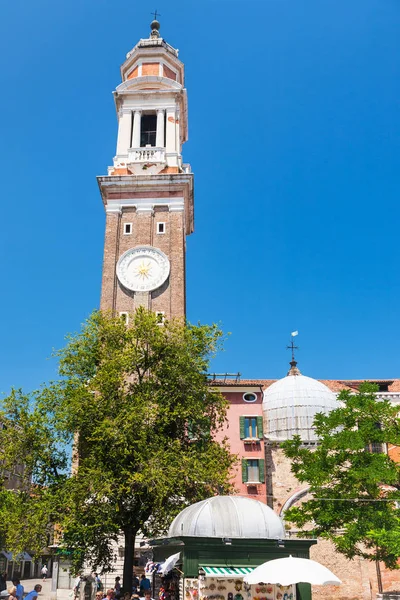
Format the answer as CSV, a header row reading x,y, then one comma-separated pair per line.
x,y
291,404
228,517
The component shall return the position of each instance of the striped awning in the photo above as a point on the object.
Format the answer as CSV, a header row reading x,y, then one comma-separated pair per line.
x,y
226,571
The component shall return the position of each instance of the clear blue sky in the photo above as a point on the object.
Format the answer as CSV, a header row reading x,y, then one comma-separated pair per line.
x,y
294,142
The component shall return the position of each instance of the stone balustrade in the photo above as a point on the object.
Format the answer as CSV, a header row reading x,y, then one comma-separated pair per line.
x,y
149,154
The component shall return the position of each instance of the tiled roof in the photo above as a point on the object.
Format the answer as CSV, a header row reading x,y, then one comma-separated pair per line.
x,y
336,385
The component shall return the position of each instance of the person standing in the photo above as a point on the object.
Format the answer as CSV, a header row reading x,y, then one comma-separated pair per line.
x,y
44,572
34,593
99,585
135,584
117,588
145,585
77,585
3,581
19,589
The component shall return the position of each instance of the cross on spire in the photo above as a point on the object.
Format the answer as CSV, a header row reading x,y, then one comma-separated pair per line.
x,y
155,15
293,363
292,346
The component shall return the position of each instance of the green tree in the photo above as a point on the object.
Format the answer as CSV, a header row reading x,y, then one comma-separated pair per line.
x,y
353,481
134,403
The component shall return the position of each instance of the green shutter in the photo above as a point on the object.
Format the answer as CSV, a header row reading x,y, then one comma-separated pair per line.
x,y
244,470
261,470
242,428
259,427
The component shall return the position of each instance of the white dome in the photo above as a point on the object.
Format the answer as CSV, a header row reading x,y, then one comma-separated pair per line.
x,y
230,517
291,404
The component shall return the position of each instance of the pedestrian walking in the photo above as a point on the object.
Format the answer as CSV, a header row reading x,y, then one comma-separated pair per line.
x,y
3,581
44,572
34,593
110,594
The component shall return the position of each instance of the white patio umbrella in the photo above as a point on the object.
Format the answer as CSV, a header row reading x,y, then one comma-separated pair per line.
x,y
169,563
286,571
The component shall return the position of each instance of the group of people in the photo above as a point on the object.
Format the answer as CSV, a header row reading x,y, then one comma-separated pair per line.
x,y
16,591
141,589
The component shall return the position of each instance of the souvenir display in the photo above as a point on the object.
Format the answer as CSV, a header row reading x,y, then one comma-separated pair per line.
x,y
214,588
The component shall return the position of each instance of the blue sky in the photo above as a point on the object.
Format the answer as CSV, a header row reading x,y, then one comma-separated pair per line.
x,y
294,142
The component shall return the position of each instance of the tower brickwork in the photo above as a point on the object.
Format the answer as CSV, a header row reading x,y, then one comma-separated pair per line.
x,y
148,192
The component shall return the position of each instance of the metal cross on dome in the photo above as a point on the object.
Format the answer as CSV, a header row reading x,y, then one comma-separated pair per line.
x,y
292,347
155,15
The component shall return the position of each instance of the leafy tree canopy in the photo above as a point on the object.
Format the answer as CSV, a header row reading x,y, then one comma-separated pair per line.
x,y
134,404
353,484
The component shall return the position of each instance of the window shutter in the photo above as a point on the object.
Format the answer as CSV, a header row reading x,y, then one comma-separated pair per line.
x,y
259,427
244,470
242,428
261,470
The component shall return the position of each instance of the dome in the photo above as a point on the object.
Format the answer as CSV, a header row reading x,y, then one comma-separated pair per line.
x,y
228,517
291,404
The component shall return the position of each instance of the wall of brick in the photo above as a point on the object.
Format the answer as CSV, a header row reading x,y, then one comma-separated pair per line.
x,y
170,297
359,578
150,69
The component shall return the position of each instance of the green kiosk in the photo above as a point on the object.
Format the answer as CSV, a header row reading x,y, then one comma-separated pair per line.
x,y
213,544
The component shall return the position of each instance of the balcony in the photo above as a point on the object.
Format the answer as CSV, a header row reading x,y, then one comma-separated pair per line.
x,y
149,154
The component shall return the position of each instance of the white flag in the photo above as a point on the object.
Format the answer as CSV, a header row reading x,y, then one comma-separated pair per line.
x,y
294,333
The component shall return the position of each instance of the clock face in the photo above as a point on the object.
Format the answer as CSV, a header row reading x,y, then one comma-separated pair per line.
x,y
143,269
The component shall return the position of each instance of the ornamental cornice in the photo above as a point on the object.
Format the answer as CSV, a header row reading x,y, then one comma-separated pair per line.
x,y
145,205
131,84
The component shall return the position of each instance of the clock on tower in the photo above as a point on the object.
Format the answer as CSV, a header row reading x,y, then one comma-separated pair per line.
x,y
148,192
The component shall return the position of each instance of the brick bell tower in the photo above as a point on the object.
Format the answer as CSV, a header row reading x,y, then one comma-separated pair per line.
x,y
148,193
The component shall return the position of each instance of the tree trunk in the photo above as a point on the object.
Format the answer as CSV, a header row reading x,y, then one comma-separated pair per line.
x,y
379,577
130,535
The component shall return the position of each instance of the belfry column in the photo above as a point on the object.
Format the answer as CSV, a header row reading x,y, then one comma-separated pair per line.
x,y
137,118
124,132
160,128
170,145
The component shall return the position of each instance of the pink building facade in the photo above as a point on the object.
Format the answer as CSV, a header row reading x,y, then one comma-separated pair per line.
x,y
245,432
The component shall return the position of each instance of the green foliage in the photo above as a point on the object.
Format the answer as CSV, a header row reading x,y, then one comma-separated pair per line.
x,y
135,404
349,504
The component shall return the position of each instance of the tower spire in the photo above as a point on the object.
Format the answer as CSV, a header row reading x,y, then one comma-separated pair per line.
x,y
293,363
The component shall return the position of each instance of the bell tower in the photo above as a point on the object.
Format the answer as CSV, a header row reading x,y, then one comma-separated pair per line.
x,y
148,192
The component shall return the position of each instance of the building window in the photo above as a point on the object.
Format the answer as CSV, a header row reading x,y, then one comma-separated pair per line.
x,y
249,397
127,228
253,470
251,428
124,316
376,447
160,227
148,130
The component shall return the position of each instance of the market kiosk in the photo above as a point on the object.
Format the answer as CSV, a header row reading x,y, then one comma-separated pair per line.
x,y
219,541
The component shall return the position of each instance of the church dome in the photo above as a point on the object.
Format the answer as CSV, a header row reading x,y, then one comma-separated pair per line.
x,y
228,517
291,404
